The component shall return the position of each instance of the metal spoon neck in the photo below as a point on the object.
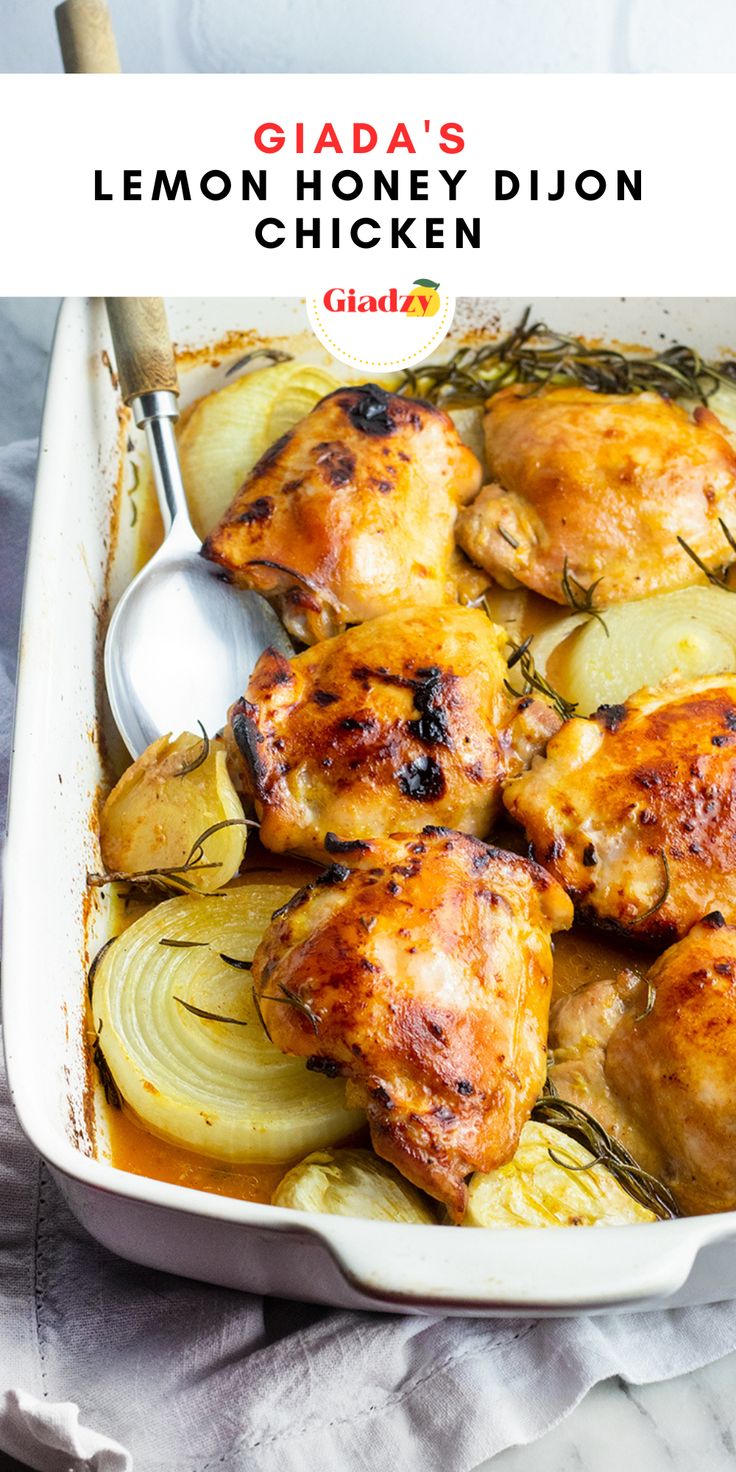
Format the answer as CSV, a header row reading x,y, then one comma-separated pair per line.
x,y
156,413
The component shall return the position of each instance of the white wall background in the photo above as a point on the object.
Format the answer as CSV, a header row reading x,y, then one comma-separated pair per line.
x,y
393,35
357,35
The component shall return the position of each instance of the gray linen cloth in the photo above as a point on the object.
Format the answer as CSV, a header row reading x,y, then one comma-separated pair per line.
x,y
107,1366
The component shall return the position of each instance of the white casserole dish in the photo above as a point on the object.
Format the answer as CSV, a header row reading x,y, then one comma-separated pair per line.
x,y
56,770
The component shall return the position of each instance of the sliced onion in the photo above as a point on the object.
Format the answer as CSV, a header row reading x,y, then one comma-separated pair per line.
x,y
212,1086
225,433
222,438
552,1181
691,632
305,389
469,425
352,1183
173,793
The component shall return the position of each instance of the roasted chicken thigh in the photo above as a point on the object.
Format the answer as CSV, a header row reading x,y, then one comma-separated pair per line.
x,y
352,513
398,722
634,808
655,1061
422,974
595,489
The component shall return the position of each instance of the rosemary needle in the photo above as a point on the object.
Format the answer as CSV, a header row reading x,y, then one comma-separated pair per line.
x,y
661,897
210,1016
200,758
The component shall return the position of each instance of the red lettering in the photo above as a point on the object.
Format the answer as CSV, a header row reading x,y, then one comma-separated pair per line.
x,y
328,139
269,138
452,136
401,138
358,130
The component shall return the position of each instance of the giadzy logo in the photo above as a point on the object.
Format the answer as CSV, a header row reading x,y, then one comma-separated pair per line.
x,y
422,301
365,326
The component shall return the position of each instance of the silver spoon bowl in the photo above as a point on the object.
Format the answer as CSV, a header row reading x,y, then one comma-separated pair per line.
x,y
183,640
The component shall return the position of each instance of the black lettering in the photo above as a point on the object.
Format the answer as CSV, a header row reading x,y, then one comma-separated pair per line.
x,y
206,185
131,184
625,183
254,184
357,226
400,235
306,232
343,190
387,184
468,231
169,186
261,235
599,185
303,184
98,186
418,184
453,181
513,189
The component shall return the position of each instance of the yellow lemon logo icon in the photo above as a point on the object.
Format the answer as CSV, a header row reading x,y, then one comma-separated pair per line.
x,y
424,300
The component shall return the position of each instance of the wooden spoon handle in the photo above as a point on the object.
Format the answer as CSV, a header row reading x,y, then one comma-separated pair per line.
x,y
143,351
140,332
86,36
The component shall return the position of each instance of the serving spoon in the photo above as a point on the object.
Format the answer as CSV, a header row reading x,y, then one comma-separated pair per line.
x,y
183,640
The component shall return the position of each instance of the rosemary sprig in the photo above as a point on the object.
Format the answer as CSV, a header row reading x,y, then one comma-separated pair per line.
x,y
210,1016
145,878
571,1120
661,897
580,598
200,758
183,945
728,534
718,576
196,851
206,944
535,354
234,961
502,532
272,355
260,1015
290,999
651,994
534,681
173,877
109,1086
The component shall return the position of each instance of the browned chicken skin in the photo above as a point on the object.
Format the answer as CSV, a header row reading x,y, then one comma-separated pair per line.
x,y
398,722
605,483
656,1063
634,808
352,513
422,973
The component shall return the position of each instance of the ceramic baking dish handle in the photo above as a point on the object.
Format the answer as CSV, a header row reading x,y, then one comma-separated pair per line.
x,y
559,1270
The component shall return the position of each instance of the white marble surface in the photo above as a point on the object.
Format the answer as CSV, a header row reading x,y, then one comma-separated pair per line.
x,y
678,1426
392,35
